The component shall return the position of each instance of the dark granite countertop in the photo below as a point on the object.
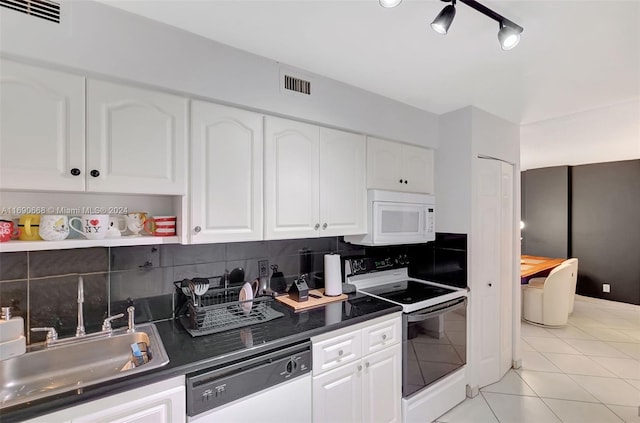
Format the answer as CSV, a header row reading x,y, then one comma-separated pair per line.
x,y
189,354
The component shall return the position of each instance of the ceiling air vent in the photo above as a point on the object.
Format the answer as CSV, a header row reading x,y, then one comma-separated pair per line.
x,y
298,85
43,9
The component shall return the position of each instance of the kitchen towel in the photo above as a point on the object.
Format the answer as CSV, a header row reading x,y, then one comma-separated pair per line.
x,y
332,275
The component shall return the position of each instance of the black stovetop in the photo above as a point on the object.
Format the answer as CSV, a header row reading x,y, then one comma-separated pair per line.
x,y
407,291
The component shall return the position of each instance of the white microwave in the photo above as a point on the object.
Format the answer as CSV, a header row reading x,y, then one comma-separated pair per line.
x,y
397,218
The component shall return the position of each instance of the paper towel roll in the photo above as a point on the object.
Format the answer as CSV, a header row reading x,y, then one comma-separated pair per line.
x,y
332,275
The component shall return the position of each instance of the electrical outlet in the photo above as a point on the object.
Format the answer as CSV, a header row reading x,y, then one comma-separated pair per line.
x,y
606,287
263,268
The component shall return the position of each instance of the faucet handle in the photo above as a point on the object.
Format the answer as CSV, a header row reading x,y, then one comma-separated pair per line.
x,y
106,324
52,335
132,324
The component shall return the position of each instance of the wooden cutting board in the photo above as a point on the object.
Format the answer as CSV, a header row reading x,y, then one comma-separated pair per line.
x,y
311,302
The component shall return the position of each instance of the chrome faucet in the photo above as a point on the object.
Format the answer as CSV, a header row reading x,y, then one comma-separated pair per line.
x,y
132,324
80,328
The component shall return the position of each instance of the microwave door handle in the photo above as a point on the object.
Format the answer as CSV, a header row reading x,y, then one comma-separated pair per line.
x,y
413,318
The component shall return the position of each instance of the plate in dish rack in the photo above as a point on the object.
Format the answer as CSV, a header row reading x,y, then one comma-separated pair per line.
x,y
246,295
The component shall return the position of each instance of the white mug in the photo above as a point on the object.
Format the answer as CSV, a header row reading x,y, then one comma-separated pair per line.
x,y
135,221
93,226
117,226
53,227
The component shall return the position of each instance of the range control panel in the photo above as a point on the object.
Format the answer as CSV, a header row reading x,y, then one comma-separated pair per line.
x,y
361,265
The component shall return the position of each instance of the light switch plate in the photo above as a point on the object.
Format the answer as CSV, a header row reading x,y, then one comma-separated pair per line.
x,y
263,268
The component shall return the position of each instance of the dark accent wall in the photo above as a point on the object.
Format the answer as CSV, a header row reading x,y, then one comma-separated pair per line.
x,y
602,215
605,235
545,211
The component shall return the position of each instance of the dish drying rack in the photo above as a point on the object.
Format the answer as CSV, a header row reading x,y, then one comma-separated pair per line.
x,y
219,310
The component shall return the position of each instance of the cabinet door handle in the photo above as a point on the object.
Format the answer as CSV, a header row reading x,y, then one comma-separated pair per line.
x,y
400,181
406,181
359,367
94,173
384,336
366,364
324,226
197,229
317,226
75,171
490,284
340,353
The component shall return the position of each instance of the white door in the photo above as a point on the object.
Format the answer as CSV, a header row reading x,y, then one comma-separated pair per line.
x,y
226,174
417,169
41,129
507,282
136,140
342,183
337,395
382,386
384,164
493,250
291,179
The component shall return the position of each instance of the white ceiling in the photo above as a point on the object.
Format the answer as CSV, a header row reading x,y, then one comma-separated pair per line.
x,y
574,55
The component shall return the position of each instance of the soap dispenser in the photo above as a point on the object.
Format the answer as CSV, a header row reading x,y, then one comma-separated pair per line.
x,y
12,340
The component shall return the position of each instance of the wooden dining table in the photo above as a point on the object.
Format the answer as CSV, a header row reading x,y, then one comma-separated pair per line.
x,y
533,265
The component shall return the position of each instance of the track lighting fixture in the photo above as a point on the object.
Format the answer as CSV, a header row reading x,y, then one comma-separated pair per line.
x,y
443,21
508,34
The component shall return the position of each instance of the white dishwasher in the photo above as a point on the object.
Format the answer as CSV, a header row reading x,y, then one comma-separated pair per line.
x,y
272,387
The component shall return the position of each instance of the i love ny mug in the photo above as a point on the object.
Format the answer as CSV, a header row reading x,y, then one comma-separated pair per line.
x,y
161,225
92,226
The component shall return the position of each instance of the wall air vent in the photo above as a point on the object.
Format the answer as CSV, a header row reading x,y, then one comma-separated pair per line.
x,y
43,9
298,85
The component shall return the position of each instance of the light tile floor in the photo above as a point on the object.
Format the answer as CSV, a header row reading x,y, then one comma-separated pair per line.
x,y
588,371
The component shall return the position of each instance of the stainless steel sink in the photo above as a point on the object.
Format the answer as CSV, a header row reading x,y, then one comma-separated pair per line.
x,y
74,365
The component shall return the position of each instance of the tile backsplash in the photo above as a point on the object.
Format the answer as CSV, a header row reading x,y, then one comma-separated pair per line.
x,y
41,286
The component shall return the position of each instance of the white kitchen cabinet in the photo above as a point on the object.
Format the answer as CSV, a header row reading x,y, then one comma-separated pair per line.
x,y
357,373
313,181
399,167
136,140
342,183
291,179
161,402
382,385
41,128
226,174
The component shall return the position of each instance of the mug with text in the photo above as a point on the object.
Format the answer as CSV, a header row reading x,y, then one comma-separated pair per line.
x,y
28,226
8,230
54,227
92,226
161,225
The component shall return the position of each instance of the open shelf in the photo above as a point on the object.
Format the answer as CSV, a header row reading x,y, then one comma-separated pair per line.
x,y
128,240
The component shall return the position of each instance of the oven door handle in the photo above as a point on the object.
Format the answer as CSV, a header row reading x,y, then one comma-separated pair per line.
x,y
412,318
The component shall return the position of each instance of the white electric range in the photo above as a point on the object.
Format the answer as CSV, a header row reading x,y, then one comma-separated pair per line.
x,y
433,332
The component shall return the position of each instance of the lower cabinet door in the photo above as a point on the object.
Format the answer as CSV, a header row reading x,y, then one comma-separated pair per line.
x,y
382,386
337,395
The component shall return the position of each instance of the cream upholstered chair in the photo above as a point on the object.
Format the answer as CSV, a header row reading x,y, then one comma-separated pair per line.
x,y
538,282
548,304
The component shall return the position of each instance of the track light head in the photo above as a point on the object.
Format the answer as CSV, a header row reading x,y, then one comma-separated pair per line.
x,y
390,3
443,21
508,36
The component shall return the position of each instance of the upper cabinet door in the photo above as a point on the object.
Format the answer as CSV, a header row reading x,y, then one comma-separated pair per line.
x,y
342,183
226,174
135,140
384,164
291,179
399,167
417,169
41,129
